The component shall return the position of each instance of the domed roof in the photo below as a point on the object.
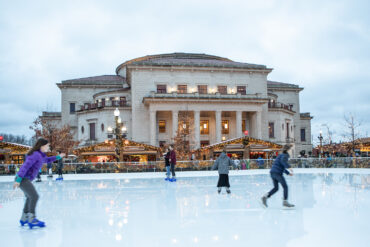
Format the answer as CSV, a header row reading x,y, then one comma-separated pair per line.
x,y
188,59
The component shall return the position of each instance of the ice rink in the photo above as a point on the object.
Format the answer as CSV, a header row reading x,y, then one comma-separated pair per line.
x,y
332,209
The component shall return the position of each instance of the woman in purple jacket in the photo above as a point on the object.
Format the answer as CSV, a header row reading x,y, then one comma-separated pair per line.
x,y
36,157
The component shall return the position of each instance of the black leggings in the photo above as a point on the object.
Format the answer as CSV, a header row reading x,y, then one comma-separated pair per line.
x,y
173,170
276,179
31,196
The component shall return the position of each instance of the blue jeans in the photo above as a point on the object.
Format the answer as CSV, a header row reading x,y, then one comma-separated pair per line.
x,y
168,171
276,179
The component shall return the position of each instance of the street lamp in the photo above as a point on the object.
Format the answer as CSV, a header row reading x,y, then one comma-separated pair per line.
x,y
120,131
320,138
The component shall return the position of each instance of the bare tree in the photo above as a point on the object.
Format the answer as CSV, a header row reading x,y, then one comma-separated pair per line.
x,y
351,134
20,139
59,138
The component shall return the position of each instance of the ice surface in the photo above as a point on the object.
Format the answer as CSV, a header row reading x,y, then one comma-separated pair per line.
x,y
144,210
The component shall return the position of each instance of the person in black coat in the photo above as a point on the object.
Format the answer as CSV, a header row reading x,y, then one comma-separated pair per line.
x,y
279,167
167,163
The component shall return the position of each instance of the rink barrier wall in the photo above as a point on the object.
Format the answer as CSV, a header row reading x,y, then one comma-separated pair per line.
x,y
195,165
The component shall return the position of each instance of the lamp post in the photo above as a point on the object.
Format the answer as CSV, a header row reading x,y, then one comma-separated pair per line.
x,y
120,131
320,138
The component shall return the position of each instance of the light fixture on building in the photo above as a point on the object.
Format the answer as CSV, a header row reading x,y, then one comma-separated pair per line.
x,y
124,129
116,112
110,129
223,138
119,120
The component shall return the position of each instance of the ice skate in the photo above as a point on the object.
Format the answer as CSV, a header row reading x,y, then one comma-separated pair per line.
x,y
219,190
167,179
286,204
173,179
228,191
264,201
24,219
33,222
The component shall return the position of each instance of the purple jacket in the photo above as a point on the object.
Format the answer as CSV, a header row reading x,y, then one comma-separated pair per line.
x,y
173,157
33,163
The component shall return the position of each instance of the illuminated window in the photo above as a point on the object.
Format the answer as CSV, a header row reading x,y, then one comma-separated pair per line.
x,y
202,89
225,126
222,89
204,127
241,90
184,127
162,126
243,125
161,88
182,89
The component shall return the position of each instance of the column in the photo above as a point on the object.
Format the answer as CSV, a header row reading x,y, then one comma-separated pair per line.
x,y
153,127
258,124
238,122
197,129
175,123
253,125
218,126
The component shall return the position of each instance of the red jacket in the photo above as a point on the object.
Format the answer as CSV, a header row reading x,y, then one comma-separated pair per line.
x,y
173,157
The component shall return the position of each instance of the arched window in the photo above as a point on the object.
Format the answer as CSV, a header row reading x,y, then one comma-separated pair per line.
x,y
82,129
102,127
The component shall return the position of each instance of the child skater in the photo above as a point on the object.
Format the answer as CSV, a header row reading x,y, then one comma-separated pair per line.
x,y
222,163
279,166
28,171
60,167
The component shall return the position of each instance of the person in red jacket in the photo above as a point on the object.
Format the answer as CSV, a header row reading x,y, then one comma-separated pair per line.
x,y
172,163
36,157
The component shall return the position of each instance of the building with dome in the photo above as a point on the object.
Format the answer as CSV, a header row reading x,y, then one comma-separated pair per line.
x,y
216,98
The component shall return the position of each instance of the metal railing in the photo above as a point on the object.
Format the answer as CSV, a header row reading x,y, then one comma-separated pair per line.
x,y
196,165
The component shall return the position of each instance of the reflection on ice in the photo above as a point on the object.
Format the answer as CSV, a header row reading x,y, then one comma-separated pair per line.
x,y
332,209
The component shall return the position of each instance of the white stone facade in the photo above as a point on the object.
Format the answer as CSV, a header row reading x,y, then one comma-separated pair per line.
x,y
146,91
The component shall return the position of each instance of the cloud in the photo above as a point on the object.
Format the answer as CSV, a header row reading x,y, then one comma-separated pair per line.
x,y
322,46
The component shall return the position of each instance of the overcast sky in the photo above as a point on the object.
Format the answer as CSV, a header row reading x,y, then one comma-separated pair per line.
x,y
323,46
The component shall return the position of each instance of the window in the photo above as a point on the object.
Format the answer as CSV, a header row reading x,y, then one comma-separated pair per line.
x,y
243,125
72,108
82,129
161,88
102,127
162,126
202,89
103,102
92,131
287,130
241,90
222,89
303,135
204,143
182,89
225,126
122,101
162,143
87,106
271,130
204,127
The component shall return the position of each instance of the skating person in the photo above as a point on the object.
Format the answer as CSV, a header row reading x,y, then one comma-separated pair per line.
x,y
28,171
50,169
167,164
172,163
222,164
60,167
39,176
279,167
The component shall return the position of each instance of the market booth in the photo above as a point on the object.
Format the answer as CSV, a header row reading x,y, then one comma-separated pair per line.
x,y
13,152
241,148
130,151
